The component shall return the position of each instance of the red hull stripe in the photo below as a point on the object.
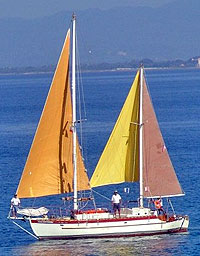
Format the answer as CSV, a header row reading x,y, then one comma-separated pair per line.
x,y
62,221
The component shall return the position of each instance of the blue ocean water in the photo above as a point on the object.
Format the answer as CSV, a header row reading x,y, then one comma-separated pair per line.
x,y
175,95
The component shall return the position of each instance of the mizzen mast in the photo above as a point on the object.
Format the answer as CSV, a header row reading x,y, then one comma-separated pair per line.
x,y
141,138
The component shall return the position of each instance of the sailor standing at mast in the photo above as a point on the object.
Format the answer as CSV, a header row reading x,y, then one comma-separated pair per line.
x,y
116,201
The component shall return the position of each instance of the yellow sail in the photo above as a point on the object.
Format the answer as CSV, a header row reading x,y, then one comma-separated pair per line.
x,y
119,161
49,168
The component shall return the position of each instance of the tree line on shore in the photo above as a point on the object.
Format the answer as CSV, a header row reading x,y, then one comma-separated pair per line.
x,y
148,63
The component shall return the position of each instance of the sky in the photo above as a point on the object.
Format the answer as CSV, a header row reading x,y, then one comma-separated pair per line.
x,y
163,33
40,8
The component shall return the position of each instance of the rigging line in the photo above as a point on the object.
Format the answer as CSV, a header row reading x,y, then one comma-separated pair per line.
x,y
78,75
147,158
81,103
84,205
101,195
147,85
33,204
25,230
80,79
81,82
146,138
170,202
78,91
87,49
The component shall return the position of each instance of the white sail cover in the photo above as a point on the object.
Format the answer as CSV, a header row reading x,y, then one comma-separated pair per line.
x,y
32,212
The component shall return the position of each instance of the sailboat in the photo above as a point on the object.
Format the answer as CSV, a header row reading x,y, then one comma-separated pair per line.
x,y
135,152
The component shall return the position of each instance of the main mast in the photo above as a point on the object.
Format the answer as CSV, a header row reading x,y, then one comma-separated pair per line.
x,y
141,138
74,108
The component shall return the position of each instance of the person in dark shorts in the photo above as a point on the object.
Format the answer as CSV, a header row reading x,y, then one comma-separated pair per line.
x,y
15,203
116,201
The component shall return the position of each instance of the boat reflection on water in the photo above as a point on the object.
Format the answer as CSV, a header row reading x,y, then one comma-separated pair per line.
x,y
153,245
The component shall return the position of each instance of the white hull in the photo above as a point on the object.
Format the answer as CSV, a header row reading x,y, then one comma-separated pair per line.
x,y
108,227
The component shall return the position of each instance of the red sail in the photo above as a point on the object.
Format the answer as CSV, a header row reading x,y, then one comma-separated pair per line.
x,y
159,178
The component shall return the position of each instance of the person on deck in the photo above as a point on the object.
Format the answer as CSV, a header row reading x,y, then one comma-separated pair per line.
x,y
15,203
116,201
159,205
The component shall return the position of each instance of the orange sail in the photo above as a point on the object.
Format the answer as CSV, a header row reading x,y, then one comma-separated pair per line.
x,y
158,173
49,168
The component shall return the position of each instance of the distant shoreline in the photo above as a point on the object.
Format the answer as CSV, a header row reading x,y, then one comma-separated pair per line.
x,y
193,62
35,72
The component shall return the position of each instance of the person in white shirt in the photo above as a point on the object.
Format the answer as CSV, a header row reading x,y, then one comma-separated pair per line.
x,y
15,203
116,201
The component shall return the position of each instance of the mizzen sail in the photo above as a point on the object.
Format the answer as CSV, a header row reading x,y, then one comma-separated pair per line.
x,y
49,168
158,172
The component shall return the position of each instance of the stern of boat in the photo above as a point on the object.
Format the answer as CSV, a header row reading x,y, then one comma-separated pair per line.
x,y
185,223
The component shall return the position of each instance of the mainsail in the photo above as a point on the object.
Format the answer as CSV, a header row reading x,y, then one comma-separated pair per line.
x,y
119,161
49,167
